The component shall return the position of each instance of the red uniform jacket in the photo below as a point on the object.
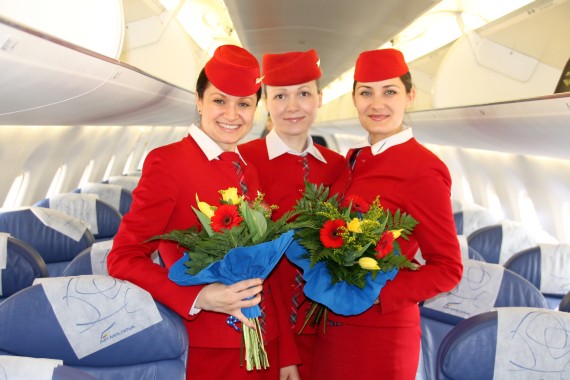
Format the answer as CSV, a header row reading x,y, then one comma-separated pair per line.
x,y
410,177
172,176
283,182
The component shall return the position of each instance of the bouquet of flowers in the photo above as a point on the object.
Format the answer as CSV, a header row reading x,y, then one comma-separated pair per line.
x,y
238,240
348,251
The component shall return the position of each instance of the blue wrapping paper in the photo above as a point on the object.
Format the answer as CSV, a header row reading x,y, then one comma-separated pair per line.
x,y
341,298
240,263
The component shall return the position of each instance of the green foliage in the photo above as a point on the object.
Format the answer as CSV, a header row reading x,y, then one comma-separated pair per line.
x,y
360,232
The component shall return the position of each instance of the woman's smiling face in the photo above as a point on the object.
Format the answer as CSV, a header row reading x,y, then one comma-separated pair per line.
x,y
381,106
226,118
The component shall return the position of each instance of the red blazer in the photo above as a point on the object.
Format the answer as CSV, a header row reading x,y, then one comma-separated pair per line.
x,y
283,182
172,176
410,177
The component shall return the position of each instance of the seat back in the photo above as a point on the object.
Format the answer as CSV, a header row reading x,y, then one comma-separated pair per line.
x,y
497,243
56,236
128,182
473,217
115,195
102,218
510,343
103,326
483,287
20,265
546,266
93,260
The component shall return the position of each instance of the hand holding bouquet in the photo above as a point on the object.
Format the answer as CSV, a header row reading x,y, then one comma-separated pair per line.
x,y
237,241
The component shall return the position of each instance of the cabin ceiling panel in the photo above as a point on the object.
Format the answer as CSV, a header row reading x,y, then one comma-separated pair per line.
x,y
338,29
47,81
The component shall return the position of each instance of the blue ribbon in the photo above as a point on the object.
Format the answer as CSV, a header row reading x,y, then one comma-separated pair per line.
x,y
231,321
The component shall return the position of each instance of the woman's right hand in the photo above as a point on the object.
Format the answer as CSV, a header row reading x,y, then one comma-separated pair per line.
x,y
230,299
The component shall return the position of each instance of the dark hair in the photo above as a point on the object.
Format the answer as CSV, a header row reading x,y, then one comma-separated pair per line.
x,y
202,83
406,79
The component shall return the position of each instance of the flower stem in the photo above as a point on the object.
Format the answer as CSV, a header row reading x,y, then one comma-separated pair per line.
x,y
255,354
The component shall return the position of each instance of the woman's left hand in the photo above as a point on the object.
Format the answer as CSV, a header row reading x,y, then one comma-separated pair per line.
x,y
289,373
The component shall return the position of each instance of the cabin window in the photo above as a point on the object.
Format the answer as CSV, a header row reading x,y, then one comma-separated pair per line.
x,y
141,162
494,203
566,221
86,176
466,191
17,190
127,167
527,211
57,181
109,168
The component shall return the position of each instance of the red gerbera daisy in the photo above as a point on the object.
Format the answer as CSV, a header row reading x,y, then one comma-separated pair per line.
x,y
359,204
330,233
226,216
384,246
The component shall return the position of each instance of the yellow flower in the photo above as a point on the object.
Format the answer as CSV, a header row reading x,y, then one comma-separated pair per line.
x,y
354,226
396,233
231,196
205,208
368,263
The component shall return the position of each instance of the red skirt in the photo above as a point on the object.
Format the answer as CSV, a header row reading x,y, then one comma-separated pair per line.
x,y
364,352
224,363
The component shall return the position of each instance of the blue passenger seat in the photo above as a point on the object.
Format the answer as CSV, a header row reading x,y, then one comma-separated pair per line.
x,y
20,265
128,182
509,343
103,219
108,328
56,236
483,287
93,260
115,195
471,218
497,243
546,266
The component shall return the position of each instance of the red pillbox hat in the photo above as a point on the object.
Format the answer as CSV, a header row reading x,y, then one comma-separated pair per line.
x,y
291,68
234,70
380,64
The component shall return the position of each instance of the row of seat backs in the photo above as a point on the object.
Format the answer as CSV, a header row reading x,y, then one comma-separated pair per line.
x,y
483,287
508,343
20,265
102,218
32,326
56,236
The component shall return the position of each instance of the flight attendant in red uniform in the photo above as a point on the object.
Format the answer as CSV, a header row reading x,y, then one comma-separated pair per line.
x,y
286,157
384,341
228,90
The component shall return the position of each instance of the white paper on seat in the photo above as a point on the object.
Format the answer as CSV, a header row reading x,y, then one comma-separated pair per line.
x,y
18,368
97,311
476,217
126,182
3,255
516,237
3,251
107,193
99,252
62,223
81,206
463,247
555,268
532,344
476,292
